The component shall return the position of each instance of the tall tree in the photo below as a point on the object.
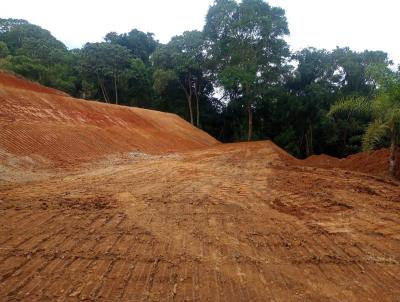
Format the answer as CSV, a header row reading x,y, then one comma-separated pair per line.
x,y
183,60
141,44
246,44
105,61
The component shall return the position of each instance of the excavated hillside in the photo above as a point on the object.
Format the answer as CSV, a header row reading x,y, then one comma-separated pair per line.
x,y
137,205
46,124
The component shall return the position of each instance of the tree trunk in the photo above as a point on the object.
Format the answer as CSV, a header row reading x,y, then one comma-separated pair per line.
x,y
196,93
250,129
103,90
311,140
307,144
116,90
394,154
189,98
107,96
198,113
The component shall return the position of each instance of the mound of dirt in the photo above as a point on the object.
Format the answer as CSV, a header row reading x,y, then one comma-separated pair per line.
x,y
44,123
372,162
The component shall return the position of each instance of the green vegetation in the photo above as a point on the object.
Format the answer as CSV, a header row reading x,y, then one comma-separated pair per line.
x,y
247,49
236,79
383,109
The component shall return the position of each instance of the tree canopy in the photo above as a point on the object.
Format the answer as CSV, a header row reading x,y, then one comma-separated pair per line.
x,y
246,47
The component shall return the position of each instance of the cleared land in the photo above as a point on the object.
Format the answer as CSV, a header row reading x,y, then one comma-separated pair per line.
x,y
197,221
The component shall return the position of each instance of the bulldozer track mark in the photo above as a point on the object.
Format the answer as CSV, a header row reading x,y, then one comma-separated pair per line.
x,y
109,203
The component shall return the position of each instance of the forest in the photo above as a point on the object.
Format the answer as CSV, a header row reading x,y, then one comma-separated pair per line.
x,y
237,79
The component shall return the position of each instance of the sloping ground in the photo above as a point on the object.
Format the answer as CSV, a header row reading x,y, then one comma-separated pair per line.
x,y
152,209
8,79
45,124
229,223
372,162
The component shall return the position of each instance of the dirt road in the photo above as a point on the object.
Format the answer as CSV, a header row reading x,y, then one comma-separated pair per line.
x,y
234,222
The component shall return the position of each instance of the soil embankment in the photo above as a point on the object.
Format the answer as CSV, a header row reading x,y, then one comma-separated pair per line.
x,y
47,125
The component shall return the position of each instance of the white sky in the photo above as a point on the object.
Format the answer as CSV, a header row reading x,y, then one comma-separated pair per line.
x,y
359,24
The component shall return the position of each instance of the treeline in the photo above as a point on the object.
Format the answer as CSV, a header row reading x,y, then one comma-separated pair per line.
x,y
236,79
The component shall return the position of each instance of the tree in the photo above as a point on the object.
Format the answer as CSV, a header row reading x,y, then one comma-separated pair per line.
x,y
384,110
141,44
183,60
246,46
105,61
8,24
320,79
137,86
4,52
314,85
25,66
352,69
36,54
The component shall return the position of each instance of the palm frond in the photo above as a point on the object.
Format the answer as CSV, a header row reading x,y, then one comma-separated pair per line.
x,y
350,106
382,106
395,116
374,134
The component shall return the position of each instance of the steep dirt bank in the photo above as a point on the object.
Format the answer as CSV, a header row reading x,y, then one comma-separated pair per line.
x,y
46,125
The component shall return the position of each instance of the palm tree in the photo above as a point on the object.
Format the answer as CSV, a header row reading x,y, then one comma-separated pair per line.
x,y
384,110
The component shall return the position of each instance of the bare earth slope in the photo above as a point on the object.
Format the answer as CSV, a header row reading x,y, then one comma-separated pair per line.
x,y
45,124
374,162
234,222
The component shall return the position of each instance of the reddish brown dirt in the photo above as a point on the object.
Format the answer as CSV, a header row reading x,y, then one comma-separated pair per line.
x,y
373,162
10,80
50,126
235,222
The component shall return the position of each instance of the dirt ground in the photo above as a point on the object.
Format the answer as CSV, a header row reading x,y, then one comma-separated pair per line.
x,y
109,203
236,222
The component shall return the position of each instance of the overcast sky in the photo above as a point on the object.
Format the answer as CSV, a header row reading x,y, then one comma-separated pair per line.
x,y
359,24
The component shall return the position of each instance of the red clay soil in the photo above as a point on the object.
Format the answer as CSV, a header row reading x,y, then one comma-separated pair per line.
x,y
8,79
42,123
209,222
372,162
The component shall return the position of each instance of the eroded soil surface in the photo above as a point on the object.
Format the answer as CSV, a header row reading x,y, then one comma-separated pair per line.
x,y
228,223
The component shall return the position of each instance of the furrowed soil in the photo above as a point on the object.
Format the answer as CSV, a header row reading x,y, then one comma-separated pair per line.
x,y
200,221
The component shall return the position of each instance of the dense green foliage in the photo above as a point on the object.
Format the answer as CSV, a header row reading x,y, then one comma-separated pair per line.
x,y
384,110
236,79
182,63
247,50
34,53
